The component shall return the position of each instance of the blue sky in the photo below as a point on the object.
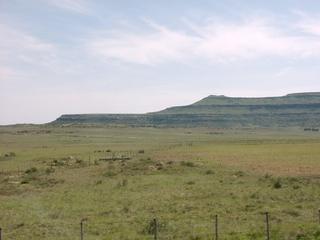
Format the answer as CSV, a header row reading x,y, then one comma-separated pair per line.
x,y
117,56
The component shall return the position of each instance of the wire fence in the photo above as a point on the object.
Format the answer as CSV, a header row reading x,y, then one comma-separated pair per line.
x,y
266,226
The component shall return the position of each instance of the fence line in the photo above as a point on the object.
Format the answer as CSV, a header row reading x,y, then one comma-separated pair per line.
x,y
155,229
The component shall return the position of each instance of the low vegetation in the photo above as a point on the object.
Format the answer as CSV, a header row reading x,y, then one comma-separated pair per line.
x,y
121,178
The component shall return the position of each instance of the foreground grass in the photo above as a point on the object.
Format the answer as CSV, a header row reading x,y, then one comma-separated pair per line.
x,y
119,179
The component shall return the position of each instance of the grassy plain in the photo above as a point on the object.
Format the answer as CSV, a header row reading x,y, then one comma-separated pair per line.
x,y
120,178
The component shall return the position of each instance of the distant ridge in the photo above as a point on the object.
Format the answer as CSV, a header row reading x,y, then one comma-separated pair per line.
x,y
294,98
304,94
292,110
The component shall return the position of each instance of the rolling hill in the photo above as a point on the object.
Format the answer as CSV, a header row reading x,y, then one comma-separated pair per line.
x,y
292,110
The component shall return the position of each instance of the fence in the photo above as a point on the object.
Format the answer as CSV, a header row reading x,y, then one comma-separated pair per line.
x,y
215,232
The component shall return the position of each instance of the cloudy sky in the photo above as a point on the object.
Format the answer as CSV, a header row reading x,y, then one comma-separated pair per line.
x,y
135,56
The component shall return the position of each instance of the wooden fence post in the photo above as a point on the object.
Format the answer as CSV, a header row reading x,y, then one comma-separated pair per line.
x,y
216,228
81,228
0,233
267,226
318,216
155,223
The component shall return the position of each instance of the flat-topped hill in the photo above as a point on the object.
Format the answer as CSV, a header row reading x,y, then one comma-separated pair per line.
x,y
296,98
292,110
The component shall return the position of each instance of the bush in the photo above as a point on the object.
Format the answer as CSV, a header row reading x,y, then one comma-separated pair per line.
x,y
187,164
24,182
109,174
239,174
10,154
208,172
295,186
277,184
31,170
191,183
98,182
79,161
267,176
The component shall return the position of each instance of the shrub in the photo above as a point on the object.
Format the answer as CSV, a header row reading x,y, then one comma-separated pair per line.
x,y
126,209
295,186
110,174
58,162
316,234
239,174
187,164
79,161
10,154
31,170
267,176
98,182
277,184
208,172
191,183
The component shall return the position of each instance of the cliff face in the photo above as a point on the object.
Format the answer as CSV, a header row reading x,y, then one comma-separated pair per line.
x,y
293,110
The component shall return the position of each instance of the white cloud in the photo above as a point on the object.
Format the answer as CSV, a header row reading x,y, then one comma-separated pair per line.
x,y
18,45
160,45
310,25
26,56
216,42
77,6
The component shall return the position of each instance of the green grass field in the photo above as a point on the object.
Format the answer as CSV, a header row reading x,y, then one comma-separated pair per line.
x,y
119,179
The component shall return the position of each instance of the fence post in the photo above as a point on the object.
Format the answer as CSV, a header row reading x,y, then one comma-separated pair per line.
x,y
155,223
216,227
0,233
81,228
267,226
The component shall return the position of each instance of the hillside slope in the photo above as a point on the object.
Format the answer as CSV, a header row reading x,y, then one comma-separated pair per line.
x,y
293,110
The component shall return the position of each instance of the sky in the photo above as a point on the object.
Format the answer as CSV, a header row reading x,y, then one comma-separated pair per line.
x,y
135,56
